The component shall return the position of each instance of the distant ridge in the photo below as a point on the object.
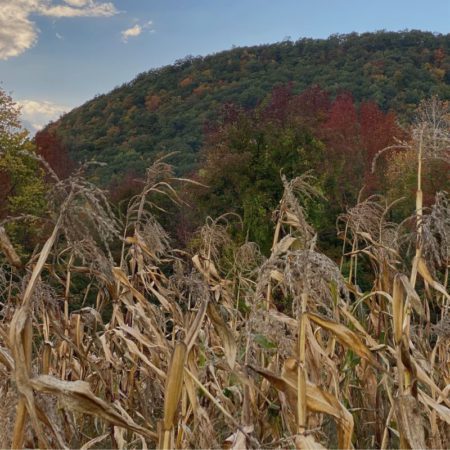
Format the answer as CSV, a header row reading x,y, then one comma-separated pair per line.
x,y
166,109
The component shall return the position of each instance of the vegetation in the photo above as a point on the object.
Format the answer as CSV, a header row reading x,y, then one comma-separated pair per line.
x,y
21,181
166,109
247,151
111,337
22,184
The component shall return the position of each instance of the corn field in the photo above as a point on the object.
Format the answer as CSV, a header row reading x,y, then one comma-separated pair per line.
x,y
218,346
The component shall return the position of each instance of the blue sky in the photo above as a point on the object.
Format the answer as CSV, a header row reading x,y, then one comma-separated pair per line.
x,y
56,54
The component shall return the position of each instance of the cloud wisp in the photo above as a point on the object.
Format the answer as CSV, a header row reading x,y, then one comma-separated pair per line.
x,y
79,8
18,32
36,114
136,30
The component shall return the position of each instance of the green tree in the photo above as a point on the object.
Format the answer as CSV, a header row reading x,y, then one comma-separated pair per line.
x,y
21,177
245,157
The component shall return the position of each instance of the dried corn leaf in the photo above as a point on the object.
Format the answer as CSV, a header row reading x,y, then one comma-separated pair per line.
x,y
238,440
226,336
425,378
8,249
20,340
77,395
195,327
205,267
398,309
143,311
303,442
94,441
118,437
346,337
122,278
133,348
409,421
413,297
283,318
174,384
442,411
317,400
6,359
284,244
426,275
40,263
277,276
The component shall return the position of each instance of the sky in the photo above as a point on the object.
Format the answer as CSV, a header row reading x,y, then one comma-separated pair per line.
x,y
57,54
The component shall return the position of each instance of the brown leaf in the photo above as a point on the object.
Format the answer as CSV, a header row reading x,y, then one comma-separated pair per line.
x,y
303,442
442,411
77,395
398,309
8,249
426,275
317,400
225,334
409,421
346,337
174,384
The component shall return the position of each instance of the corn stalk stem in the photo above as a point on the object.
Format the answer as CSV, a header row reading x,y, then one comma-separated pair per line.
x,y
301,370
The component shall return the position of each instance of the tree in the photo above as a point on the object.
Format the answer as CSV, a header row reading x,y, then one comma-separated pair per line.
x,y
244,157
345,164
21,177
55,154
378,131
354,136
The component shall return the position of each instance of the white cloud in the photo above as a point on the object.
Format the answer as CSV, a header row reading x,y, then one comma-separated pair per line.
x,y
89,9
36,114
136,30
77,3
18,33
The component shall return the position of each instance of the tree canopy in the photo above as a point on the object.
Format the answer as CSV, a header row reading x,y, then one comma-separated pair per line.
x,y
166,109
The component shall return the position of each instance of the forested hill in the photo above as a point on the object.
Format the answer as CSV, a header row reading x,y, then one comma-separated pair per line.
x,y
166,109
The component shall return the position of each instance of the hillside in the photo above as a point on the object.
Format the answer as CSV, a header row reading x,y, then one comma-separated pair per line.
x,y
166,109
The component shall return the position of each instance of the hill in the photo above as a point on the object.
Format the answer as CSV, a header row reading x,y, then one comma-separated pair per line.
x,y
166,109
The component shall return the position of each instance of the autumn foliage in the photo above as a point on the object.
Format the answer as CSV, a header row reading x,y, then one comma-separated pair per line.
x,y
336,139
50,148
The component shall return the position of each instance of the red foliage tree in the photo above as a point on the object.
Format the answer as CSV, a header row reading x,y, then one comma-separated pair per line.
x,y
278,107
344,161
353,139
313,105
378,130
49,146
342,121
